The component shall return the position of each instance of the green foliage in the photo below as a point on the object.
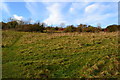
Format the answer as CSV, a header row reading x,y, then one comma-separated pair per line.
x,y
12,24
91,29
70,28
80,28
31,27
41,27
4,25
56,28
9,25
112,28
23,26
60,55
84,28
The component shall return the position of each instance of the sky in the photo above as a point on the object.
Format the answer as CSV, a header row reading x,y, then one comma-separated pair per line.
x,y
55,13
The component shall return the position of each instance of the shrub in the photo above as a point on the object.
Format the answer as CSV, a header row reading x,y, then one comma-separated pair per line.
x,y
4,25
70,28
112,28
30,28
9,25
91,29
80,27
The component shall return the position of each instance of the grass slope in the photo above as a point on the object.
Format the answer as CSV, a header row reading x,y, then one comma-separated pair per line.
x,y
59,55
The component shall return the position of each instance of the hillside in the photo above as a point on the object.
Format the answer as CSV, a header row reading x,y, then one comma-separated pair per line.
x,y
60,55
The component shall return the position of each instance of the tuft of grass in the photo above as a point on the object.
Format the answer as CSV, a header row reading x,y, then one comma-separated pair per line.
x,y
60,55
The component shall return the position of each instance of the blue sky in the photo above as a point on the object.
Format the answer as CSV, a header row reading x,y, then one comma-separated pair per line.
x,y
55,13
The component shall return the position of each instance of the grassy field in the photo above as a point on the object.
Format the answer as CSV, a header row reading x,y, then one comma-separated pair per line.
x,y
60,55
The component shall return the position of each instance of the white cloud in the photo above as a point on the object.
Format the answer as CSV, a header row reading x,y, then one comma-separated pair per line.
x,y
55,15
77,6
53,10
97,13
96,8
71,9
91,8
60,0
94,18
16,17
31,6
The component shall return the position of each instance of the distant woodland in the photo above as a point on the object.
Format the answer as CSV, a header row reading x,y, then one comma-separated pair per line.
x,y
42,27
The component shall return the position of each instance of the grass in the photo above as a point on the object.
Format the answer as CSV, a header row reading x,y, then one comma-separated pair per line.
x,y
60,55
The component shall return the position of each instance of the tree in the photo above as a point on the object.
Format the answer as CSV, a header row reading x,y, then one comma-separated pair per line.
x,y
84,25
4,26
62,25
12,24
70,28
112,28
41,27
91,29
99,25
80,28
56,28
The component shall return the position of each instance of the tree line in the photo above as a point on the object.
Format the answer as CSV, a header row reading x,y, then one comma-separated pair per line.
x,y
42,27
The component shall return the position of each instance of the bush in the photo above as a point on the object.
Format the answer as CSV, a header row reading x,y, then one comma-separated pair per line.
x,y
4,25
80,27
70,28
30,28
91,29
113,28
9,25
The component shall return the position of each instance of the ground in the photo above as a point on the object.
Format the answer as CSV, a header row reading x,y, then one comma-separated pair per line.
x,y
60,55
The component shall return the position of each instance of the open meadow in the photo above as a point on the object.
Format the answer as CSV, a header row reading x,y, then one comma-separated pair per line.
x,y
59,55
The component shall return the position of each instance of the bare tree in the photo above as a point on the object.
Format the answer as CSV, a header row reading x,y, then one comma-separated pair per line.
x,y
62,25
